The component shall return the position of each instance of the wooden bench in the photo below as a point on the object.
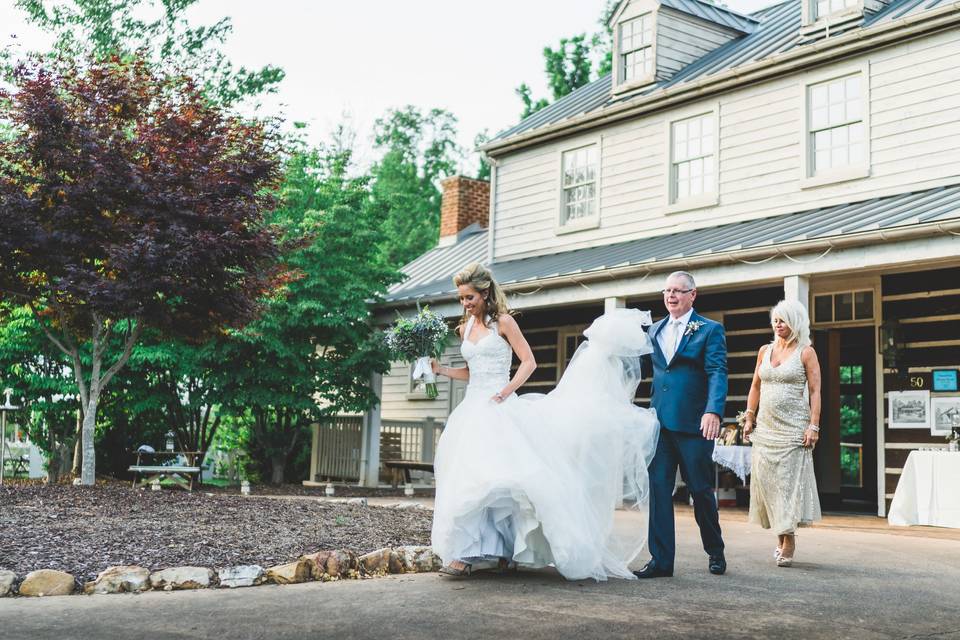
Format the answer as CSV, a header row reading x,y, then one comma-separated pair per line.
x,y
404,466
182,475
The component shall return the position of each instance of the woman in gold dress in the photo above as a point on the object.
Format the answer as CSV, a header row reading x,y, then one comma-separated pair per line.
x,y
782,422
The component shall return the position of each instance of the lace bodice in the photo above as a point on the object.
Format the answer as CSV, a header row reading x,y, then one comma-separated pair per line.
x,y
488,359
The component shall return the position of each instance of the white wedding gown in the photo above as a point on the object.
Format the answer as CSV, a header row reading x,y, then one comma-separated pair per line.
x,y
537,478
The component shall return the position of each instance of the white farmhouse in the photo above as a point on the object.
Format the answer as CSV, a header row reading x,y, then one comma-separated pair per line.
x,y
810,150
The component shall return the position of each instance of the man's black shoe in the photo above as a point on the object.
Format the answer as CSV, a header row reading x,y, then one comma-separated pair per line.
x,y
718,565
653,571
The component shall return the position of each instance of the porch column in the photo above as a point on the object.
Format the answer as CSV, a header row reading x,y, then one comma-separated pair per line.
x,y
610,304
370,445
797,288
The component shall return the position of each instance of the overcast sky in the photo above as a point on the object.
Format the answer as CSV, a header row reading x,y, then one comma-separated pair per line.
x,y
364,57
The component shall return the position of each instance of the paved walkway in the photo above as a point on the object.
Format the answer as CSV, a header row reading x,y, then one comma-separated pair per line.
x,y
854,578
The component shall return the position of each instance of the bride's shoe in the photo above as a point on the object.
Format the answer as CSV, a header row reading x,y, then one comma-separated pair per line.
x,y
783,561
504,565
450,570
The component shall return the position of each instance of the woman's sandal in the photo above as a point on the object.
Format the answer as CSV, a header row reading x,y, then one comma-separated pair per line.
x,y
782,560
448,570
504,565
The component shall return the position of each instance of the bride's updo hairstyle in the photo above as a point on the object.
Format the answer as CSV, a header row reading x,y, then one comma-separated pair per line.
x,y
479,277
795,316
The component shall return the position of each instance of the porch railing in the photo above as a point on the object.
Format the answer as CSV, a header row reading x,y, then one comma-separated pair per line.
x,y
339,439
339,442
414,440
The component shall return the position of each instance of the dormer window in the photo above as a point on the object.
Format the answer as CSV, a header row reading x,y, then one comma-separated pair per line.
x,y
654,39
636,48
826,7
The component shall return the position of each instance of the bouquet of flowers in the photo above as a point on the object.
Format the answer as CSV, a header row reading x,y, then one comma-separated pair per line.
x,y
416,340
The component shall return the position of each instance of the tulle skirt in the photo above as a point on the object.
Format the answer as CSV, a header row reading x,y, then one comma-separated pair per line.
x,y
537,479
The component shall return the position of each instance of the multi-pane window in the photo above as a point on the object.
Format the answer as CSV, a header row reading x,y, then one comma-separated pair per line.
x,y
692,158
579,183
836,124
843,306
826,7
636,48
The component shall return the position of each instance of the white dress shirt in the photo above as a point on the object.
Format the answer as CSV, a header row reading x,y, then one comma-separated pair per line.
x,y
670,350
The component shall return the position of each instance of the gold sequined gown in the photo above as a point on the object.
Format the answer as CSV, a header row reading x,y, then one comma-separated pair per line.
x,y
783,489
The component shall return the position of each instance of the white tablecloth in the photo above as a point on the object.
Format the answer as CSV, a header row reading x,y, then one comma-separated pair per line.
x,y
735,458
929,490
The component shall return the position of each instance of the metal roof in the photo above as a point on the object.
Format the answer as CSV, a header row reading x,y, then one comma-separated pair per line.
x,y
713,13
777,30
430,274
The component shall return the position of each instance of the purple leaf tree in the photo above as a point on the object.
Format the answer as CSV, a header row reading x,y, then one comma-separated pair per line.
x,y
127,200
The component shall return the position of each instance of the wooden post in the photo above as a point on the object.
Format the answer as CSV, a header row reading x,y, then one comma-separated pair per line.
x,y
797,288
370,449
428,434
610,304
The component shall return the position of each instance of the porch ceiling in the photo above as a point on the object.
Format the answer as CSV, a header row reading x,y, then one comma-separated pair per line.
x,y
430,275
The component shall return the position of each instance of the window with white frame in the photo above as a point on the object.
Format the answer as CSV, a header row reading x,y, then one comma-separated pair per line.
x,y
692,157
826,7
636,48
836,128
580,168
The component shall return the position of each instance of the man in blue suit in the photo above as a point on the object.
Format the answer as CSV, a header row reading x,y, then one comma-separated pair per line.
x,y
689,392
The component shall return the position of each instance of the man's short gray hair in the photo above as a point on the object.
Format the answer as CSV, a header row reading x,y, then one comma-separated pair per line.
x,y
691,284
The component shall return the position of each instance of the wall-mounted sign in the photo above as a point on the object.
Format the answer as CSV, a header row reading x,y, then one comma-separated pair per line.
x,y
945,380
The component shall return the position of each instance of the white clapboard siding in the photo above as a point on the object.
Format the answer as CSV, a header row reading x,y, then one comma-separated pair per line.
x,y
682,39
915,144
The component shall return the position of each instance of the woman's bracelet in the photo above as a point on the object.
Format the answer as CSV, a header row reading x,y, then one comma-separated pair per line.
x,y
814,427
750,411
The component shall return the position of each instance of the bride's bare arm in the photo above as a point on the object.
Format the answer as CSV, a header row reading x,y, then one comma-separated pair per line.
x,y
457,373
528,364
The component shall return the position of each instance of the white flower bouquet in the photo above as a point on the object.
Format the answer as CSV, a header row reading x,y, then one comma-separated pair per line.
x,y
416,340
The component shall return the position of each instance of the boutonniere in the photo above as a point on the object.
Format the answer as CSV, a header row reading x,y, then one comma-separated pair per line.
x,y
693,326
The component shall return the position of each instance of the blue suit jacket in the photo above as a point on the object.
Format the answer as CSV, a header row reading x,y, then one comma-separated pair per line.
x,y
694,382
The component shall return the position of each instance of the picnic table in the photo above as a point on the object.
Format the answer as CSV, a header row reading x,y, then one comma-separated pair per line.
x,y
16,457
182,475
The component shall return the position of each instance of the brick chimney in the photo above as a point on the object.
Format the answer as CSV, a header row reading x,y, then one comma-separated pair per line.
x,y
465,201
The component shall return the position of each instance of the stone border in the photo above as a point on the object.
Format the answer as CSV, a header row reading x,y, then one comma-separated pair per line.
x,y
322,566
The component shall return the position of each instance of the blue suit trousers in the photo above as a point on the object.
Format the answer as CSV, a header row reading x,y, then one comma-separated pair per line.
x,y
693,454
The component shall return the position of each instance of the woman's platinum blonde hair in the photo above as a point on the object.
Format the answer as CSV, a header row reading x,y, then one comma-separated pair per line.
x,y
795,316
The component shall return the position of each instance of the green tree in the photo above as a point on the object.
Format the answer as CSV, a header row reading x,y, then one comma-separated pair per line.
x,y
483,170
575,62
129,200
40,377
418,149
314,349
156,29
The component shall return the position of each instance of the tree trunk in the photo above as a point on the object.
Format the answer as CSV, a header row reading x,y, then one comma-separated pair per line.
x,y
59,464
277,464
77,457
88,470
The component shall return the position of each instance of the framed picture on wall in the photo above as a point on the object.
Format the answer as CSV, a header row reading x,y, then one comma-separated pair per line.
x,y
909,409
945,412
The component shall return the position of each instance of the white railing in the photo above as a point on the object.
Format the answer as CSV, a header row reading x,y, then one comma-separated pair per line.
x,y
413,440
338,444
339,441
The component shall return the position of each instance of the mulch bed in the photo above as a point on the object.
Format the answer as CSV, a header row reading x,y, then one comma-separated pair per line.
x,y
84,530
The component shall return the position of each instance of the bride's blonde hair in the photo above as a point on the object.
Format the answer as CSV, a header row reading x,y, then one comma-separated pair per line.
x,y
479,277
795,316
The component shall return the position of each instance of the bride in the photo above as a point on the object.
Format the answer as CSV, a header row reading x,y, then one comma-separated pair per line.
x,y
535,480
